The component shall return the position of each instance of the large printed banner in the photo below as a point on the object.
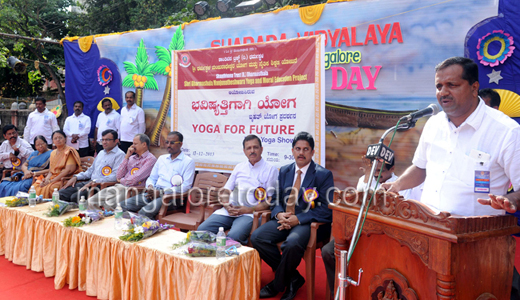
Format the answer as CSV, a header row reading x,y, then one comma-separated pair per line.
x,y
273,90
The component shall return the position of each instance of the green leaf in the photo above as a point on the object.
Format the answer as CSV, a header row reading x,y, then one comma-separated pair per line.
x,y
128,81
151,83
177,42
163,54
130,68
141,59
159,67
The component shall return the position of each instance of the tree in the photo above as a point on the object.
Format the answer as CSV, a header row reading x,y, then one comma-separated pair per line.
x,y
104,16
38,19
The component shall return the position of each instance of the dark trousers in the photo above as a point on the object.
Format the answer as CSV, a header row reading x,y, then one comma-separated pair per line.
x,y
72,194
125,145
329,260
83,151
265,238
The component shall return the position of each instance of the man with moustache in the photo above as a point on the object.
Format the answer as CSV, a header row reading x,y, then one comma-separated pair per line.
x,y
108,119
303,197
40,122
249,188
467,154
173,171
77,129
103,169
133,172
14,150
132,121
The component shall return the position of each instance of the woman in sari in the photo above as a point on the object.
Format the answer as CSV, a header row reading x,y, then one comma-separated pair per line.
x,y
64,162
37,161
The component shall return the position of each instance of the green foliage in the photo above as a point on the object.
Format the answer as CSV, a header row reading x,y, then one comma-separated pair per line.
x,y
3,56
47,19
116,16
185,15
142,68
164,55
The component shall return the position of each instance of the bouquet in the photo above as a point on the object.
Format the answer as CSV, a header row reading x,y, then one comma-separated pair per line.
x,y
140,227
201,236
86,218
16,202
201,244
60,208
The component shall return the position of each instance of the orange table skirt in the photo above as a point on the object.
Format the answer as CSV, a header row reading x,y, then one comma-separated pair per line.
x,y
93,259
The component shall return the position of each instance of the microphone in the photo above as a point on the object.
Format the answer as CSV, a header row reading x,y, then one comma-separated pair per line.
x,y
431,110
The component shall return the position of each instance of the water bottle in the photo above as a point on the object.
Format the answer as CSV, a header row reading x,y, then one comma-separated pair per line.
x,y
82,204
55,196
118,214
221,243
32,197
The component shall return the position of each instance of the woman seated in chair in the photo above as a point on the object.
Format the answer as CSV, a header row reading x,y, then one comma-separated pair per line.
x,y
64,162
37,161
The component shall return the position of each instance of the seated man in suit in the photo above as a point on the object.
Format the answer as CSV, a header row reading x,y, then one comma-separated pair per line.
x,y
103,169
303,197
171,171
252,182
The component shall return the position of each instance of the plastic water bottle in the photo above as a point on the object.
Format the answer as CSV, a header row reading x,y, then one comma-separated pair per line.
x,y
221,243
118,214
82,204
55,196
32,197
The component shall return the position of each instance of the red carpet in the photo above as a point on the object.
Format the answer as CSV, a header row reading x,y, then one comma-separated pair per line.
x,y
16,282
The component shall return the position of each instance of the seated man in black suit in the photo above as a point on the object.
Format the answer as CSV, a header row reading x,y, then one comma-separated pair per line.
x,y
303,197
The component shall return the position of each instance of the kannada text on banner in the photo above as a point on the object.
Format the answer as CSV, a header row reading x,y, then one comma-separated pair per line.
x,y
273,90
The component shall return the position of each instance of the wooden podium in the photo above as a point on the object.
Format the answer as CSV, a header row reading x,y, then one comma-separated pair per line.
x,y
409,252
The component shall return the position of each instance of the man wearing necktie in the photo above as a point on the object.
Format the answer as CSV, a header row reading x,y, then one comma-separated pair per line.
x,y
303,197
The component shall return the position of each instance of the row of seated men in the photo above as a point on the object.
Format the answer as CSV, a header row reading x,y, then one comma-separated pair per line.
x,y
468,139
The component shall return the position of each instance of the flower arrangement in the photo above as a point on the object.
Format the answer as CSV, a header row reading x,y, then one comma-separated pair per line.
x,y
59,208
16,202
201,244
88,217
140,228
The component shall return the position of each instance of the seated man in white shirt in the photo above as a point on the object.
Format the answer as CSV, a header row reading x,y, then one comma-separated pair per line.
x,y
174,171
40,122
250,187
77,128
13,151
132,121
108,119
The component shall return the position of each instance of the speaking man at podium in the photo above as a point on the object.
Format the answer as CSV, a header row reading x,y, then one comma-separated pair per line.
x,y
467,154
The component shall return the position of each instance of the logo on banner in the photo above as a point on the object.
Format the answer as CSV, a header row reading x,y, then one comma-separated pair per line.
x,y
185,60
132,172
17,162
260,194
106,171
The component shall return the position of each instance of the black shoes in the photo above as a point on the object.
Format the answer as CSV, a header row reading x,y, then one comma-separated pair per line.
x,y
295,284
268,291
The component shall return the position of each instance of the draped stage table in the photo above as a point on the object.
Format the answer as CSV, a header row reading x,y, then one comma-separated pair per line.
x,y
93,259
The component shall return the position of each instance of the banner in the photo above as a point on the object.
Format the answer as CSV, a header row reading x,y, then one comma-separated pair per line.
x,y
272,90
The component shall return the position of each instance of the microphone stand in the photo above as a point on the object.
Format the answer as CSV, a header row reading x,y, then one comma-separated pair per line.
x,y
344,280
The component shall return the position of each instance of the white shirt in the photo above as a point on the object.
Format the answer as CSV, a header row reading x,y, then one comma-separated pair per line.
x,y
166,167
304,171
132,122
444,151
5,149
110,121
77,125
40,123
245,179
